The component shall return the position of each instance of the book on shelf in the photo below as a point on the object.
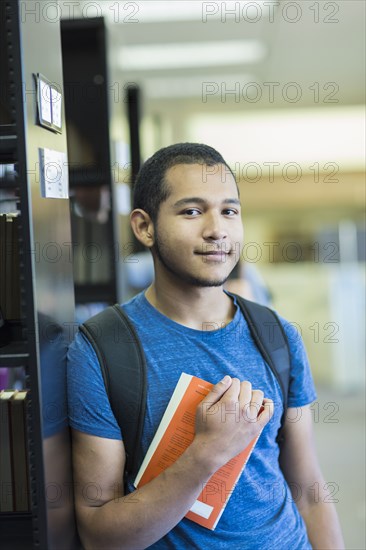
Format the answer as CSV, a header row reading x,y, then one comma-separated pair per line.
x,y
9,266
19,451
3,286
6,469
174,435
14,472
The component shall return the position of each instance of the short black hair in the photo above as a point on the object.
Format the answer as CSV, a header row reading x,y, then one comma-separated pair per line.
x,y
151,188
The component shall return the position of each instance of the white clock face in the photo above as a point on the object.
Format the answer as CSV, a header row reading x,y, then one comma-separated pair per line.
x,y
56,107
45,99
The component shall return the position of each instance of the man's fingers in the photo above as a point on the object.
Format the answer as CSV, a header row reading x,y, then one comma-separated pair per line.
x,y
233,391
255,404
267,412
257,398
218,390
245,393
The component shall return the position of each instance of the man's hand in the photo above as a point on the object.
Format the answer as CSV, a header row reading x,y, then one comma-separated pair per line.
x,y
229,417
227,420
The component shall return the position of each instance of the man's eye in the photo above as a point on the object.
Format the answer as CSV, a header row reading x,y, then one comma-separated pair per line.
x,y
191,212
229,212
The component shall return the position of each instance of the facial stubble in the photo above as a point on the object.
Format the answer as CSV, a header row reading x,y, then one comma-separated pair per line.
x,y
163,257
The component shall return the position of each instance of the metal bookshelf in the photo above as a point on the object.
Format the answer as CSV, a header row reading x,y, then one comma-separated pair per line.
x,y
85,74
36,339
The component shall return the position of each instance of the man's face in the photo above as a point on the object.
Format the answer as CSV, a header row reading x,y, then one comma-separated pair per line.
x,y
199,232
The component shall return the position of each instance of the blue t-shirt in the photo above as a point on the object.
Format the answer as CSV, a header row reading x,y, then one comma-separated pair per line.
x,y
261,513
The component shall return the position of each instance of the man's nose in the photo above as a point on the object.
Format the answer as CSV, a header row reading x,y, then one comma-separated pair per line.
x,y
215,227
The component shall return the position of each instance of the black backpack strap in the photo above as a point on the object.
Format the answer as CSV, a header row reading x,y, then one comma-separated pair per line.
x,y
123,365
271,340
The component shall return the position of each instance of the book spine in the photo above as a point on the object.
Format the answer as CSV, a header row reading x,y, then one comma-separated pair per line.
x,y
6,473
19,455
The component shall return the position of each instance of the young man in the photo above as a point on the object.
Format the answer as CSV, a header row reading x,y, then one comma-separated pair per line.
x,y
187,212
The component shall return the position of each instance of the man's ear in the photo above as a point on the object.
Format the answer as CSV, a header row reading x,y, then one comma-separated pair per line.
x,y
142,227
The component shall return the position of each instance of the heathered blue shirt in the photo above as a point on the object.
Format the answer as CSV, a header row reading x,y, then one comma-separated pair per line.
x,y
261,513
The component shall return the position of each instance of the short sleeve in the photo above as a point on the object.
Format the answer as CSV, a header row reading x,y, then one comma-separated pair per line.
x,y
301,389
89,409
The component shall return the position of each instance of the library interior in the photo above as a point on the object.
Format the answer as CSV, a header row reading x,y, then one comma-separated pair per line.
x,y
89,91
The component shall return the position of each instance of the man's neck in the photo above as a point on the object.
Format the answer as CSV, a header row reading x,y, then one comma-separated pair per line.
x,y
206,308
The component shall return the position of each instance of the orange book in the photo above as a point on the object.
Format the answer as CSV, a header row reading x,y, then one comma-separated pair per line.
x,y
174,434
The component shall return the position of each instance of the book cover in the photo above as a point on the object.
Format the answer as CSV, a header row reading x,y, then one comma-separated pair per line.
x,y
174,435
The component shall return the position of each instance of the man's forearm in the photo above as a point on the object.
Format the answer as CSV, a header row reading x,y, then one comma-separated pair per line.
x,y
139,519
323,526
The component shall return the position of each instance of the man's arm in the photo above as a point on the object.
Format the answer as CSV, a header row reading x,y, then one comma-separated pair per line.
x,y
108,519
301,468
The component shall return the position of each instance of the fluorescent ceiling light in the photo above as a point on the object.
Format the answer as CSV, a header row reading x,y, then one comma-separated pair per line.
x,y
328,136
191,86
191,54
167,10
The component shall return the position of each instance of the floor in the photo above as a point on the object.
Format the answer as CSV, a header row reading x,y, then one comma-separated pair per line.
x,y
339,421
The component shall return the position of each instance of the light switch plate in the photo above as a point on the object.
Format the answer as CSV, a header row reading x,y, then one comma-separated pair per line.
x,y
54,174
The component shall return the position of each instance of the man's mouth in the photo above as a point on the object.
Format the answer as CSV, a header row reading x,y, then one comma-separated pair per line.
x,y
215,253
219,252
214,256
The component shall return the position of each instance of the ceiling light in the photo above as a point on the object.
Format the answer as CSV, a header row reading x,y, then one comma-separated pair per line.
x,y
192,54
309,137
191,86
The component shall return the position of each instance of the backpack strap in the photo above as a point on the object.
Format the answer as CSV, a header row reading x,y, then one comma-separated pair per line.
x,y
271,340
123,365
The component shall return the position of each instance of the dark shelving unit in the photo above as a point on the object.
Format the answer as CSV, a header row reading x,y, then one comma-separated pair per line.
x,y
85,75
45,293
14,354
